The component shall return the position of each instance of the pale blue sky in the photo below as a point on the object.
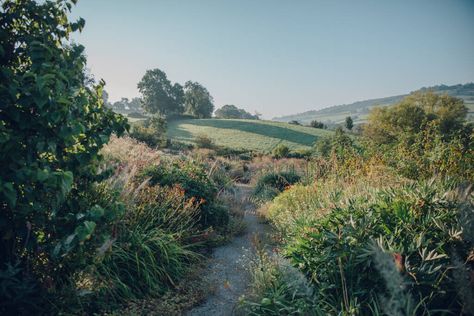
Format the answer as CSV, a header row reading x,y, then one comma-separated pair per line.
x,y
281,57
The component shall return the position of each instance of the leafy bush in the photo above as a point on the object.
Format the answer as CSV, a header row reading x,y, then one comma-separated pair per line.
x,y
280,151
193,179
422,136
270,184
151,132
204,141
53,123
418,226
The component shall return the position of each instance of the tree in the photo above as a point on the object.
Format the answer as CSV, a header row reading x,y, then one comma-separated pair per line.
x,y
197,100
159,96
230,111
349,123
317,124
53,123
410,116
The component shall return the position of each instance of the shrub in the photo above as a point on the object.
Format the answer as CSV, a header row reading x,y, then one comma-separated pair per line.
x,y
192,178
270,184
280,151
53,122
151,132
204,141
417,226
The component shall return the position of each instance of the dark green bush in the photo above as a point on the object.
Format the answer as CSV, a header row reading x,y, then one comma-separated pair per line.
x,y
280,151
53,123
192,178
270,184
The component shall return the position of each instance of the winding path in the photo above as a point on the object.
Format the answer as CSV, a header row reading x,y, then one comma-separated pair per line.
x,y
226,270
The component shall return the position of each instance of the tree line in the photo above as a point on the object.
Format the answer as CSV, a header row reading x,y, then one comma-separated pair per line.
x,y
159,96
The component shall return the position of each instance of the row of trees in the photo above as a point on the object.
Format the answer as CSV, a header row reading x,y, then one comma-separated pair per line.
x,y
161,96
230,111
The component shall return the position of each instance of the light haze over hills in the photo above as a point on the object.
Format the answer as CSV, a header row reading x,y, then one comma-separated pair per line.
x,y
281,57
360,109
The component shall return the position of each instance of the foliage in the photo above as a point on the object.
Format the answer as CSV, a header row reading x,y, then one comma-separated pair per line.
x,y
317,124
349,123
389,124
127,106
423,135
417,225
338,146
359,110
271,183
277,288
153,247
159,96
280,151
230,111
204,141
294,122
197,100
191,177
152,131
52,125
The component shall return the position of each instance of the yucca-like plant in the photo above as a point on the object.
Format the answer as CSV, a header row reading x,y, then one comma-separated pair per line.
x,y
419,225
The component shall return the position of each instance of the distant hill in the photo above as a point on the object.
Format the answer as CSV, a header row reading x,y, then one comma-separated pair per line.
x,y
359,110
256,135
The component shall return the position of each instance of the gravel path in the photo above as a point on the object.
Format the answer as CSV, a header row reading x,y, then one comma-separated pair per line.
x,y
225,270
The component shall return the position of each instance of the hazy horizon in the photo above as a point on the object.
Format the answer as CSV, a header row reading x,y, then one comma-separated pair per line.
x,y
279,57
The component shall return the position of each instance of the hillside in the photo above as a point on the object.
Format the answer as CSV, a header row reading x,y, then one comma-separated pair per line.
x,y
360,109
255,135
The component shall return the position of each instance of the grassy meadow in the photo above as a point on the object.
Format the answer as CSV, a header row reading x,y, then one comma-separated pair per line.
x,y
255,135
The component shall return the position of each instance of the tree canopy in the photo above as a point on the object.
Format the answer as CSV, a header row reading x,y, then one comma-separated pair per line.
x,y
349,123
410,116
230,111
159,95
197,100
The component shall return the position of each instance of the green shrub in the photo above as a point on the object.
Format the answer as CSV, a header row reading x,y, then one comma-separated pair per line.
x,y
53,123
192,178
204,141
270,184
280,151
418,226
151,132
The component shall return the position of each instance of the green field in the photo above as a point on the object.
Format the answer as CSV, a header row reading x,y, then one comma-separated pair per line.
x,y
255,135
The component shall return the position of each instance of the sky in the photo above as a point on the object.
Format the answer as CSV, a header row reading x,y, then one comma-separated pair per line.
x,y
280,57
